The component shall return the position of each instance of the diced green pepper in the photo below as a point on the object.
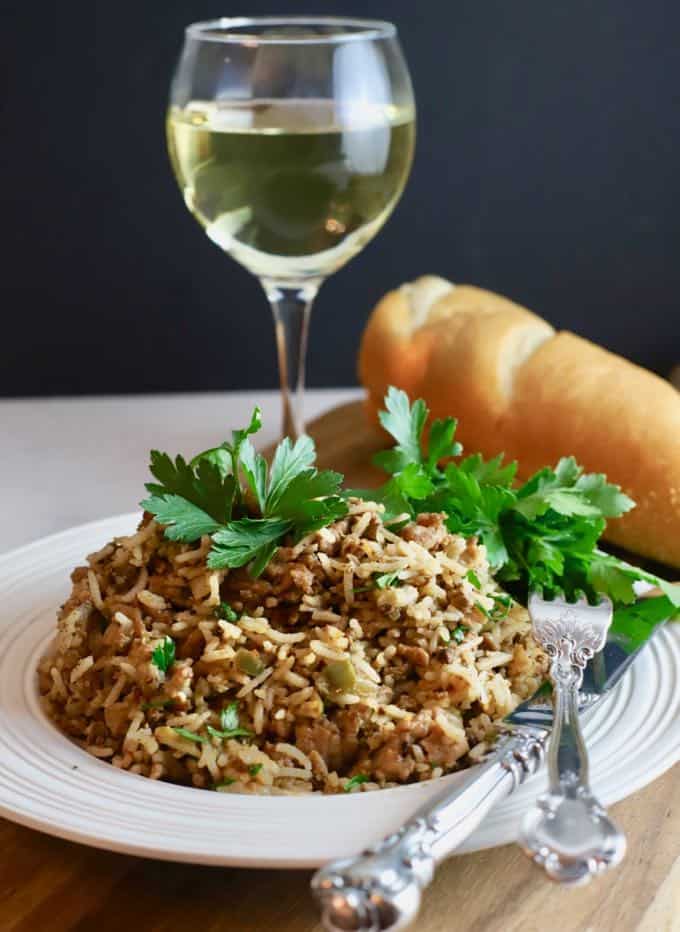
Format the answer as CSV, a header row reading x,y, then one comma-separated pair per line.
x,y
340,676
248,661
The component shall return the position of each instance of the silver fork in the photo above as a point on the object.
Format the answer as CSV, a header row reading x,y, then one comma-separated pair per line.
x,y
568,833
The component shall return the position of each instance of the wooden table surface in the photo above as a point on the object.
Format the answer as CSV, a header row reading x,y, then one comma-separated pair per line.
x,y
50,885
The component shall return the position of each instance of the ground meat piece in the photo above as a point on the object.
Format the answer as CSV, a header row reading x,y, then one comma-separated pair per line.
x,y
116,637
392,760
324,737
302,578
282,728
117,718
349,721
416,656
428,530
441,749
130,611
192,645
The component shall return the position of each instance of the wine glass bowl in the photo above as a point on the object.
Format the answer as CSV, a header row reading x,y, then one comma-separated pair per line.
x,y
291,139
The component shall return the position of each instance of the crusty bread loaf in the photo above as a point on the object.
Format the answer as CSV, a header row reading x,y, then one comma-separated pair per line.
x,y
518,386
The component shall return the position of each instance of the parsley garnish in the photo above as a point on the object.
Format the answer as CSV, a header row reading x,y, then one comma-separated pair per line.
x,y
356,780
472,577
458,634
502,607
229,724
226,782
381,581
163,656
254,769
225,611
191,736
205,496
386,580
540,535
229,716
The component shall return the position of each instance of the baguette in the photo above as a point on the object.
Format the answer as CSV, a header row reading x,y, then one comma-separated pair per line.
x,y
518,386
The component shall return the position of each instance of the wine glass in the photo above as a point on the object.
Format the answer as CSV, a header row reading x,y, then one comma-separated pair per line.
x,y
291,139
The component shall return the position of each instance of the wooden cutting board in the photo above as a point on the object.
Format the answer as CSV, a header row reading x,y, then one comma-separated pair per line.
x,y
48,885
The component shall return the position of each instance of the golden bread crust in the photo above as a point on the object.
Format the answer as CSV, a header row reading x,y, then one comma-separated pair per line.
x,y
517,386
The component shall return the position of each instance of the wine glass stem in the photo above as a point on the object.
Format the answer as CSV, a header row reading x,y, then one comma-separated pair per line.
x,y
291,306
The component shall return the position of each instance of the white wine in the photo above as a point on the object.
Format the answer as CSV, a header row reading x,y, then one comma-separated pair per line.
x,y
291,188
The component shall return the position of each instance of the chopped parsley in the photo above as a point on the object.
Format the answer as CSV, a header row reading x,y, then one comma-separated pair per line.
x,y
226,782
472,577
458,633
381,581
191,736
254,769
356,780
502,607
163,656
386,580
226,612
230,726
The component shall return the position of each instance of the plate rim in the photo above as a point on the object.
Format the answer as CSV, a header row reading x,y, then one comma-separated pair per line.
x,y
137,846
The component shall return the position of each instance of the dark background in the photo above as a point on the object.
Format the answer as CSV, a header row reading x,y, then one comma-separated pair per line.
x,y
546,168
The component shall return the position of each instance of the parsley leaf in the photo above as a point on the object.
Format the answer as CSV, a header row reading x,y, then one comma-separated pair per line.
x,y
458,633
205,496
226,612
163,656
289,460
226,457
183,520
254,467
472,577
354,781
191,736
441,443
405,422
239,542
632,625
294,497
387,580
311,500
223,734
229,717
543,533
254,769
190,500
229,724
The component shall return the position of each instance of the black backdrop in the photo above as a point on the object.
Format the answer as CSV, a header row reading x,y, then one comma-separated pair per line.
x,y
546,168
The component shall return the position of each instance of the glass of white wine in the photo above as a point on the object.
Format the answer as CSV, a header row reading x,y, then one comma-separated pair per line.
x,y
291,139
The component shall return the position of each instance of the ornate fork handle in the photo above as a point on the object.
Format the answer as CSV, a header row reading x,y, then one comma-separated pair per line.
x,y
381,889
568,833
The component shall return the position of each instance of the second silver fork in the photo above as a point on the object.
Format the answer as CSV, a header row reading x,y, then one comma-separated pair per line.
x,y
568,833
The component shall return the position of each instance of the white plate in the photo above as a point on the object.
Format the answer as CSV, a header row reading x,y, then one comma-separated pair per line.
x,y
48,783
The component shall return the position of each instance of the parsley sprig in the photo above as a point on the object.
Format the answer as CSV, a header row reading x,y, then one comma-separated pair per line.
x,y
248,509
543,534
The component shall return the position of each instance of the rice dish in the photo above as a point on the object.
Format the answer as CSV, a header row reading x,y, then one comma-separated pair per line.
x,y
363,657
